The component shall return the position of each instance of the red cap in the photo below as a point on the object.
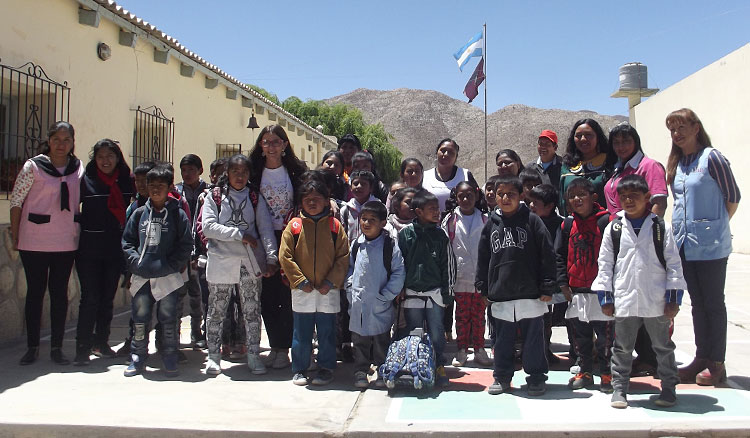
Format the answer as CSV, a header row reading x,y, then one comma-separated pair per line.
x,y
551,135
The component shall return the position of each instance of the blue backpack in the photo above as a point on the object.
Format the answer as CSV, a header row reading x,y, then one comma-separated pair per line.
x,y
410,361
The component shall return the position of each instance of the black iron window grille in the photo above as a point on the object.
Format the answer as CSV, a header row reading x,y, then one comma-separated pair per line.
x,y
30,101
153,136
227,150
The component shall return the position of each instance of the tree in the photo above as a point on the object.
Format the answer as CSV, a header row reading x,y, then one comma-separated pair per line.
x,y
265,93
340,119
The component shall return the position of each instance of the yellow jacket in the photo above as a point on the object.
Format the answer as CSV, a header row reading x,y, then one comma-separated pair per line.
x,y
314,257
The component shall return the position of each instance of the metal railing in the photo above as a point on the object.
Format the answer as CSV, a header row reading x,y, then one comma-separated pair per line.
x,y
153,136
226,150
30,101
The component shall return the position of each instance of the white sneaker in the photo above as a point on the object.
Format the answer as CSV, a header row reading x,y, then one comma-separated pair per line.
x,y
360,380
281,360
255,364
481,357
212,367
460,359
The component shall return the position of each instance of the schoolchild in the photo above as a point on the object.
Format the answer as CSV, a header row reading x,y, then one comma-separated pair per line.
x,y
530,178
392,191
241,248
430,274
141,187
640,284
577,250
157,242
463,225
333,163
400,213
542,201
364,160
516,272
361,183
489,192
371,289
314,256
191,168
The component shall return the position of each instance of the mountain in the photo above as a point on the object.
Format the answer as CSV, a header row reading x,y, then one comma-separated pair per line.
x,y
419,119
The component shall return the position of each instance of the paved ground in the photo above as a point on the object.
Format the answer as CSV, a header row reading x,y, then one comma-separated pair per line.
x,y
48,400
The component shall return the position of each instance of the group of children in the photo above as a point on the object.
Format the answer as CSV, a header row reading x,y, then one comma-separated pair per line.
x,y
506,249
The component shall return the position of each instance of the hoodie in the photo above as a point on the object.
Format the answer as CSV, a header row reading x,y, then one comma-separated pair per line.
x,y
578,250
157,244
515,257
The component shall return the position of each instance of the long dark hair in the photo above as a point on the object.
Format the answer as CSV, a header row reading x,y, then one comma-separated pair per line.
x,y
513,155
339,156
57,126
479,202
122,166
293,165
573,156
234,160
684,115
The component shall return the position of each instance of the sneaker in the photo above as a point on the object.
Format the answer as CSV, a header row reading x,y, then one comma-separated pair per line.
x,y
481,357
136,366
576,368
255,363
360,380
213,366
606,384
82,357
324,377
170,364
300,379
580,381
281,360
104,350
238,352
32,354
441,379
499,387
619,400
181,357
58,357
460,359
536,389
666,399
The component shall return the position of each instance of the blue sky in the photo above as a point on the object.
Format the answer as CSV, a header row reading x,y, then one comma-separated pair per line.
x,y
547,54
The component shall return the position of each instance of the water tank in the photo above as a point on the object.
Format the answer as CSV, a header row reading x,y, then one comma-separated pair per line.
x,y
633,75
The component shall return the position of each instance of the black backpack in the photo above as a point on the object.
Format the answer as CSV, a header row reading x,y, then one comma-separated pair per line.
x,y
658,229
387,252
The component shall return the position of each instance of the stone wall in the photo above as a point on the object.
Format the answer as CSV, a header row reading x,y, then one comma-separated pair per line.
x,y
13,294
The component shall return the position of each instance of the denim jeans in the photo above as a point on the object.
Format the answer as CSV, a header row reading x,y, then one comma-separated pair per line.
x,y
434,316
304,325
166,314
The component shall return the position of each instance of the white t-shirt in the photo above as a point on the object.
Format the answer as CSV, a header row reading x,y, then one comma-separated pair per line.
x,y
276,188
442,189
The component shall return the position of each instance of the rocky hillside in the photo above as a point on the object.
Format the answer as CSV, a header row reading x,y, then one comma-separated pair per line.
x,y
418,119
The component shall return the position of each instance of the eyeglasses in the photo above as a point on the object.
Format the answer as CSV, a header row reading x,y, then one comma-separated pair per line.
x,y
505,163
272,143
587,136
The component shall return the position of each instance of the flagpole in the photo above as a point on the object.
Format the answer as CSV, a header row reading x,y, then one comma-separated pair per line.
x,y
484,54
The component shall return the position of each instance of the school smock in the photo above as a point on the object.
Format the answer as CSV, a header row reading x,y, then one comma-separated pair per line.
x,y
651,170
369,291
224,229
466,231
637,278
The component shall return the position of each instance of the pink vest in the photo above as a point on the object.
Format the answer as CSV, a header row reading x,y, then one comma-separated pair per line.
x,y
44,227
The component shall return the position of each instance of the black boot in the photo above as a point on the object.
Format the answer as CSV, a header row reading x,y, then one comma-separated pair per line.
x,y
82,356
32,354
58,357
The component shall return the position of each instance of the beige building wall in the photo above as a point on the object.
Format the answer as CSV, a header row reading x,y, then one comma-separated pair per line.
x,y
719,94
104,95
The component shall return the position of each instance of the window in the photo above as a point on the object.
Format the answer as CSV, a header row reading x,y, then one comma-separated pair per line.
x,y
153,136
29,103
226,150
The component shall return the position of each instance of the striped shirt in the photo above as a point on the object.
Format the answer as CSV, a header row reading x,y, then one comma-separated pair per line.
x,y
721,171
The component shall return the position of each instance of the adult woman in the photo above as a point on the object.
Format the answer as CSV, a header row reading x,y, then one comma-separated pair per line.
x,y
106,189
626,144
508,163
587,155
705,198
44,229
333,162
446,175
276,171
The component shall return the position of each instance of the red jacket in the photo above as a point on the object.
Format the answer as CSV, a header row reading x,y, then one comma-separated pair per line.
x,y
578,249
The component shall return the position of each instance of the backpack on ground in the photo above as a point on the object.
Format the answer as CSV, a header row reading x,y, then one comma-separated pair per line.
x,y
387,252
658,229
410,361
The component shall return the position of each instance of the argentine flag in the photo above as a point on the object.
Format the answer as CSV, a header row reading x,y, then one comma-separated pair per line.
x,y
471,49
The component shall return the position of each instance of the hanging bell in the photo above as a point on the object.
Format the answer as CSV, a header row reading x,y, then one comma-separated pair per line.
x,y
253,123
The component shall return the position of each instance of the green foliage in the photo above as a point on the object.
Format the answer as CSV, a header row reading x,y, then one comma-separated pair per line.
x,y
265,93
339,120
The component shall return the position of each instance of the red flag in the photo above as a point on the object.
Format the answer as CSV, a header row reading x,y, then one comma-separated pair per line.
x,y
472,87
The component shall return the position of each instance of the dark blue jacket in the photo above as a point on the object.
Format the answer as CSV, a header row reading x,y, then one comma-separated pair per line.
x,y
157,244
100,230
